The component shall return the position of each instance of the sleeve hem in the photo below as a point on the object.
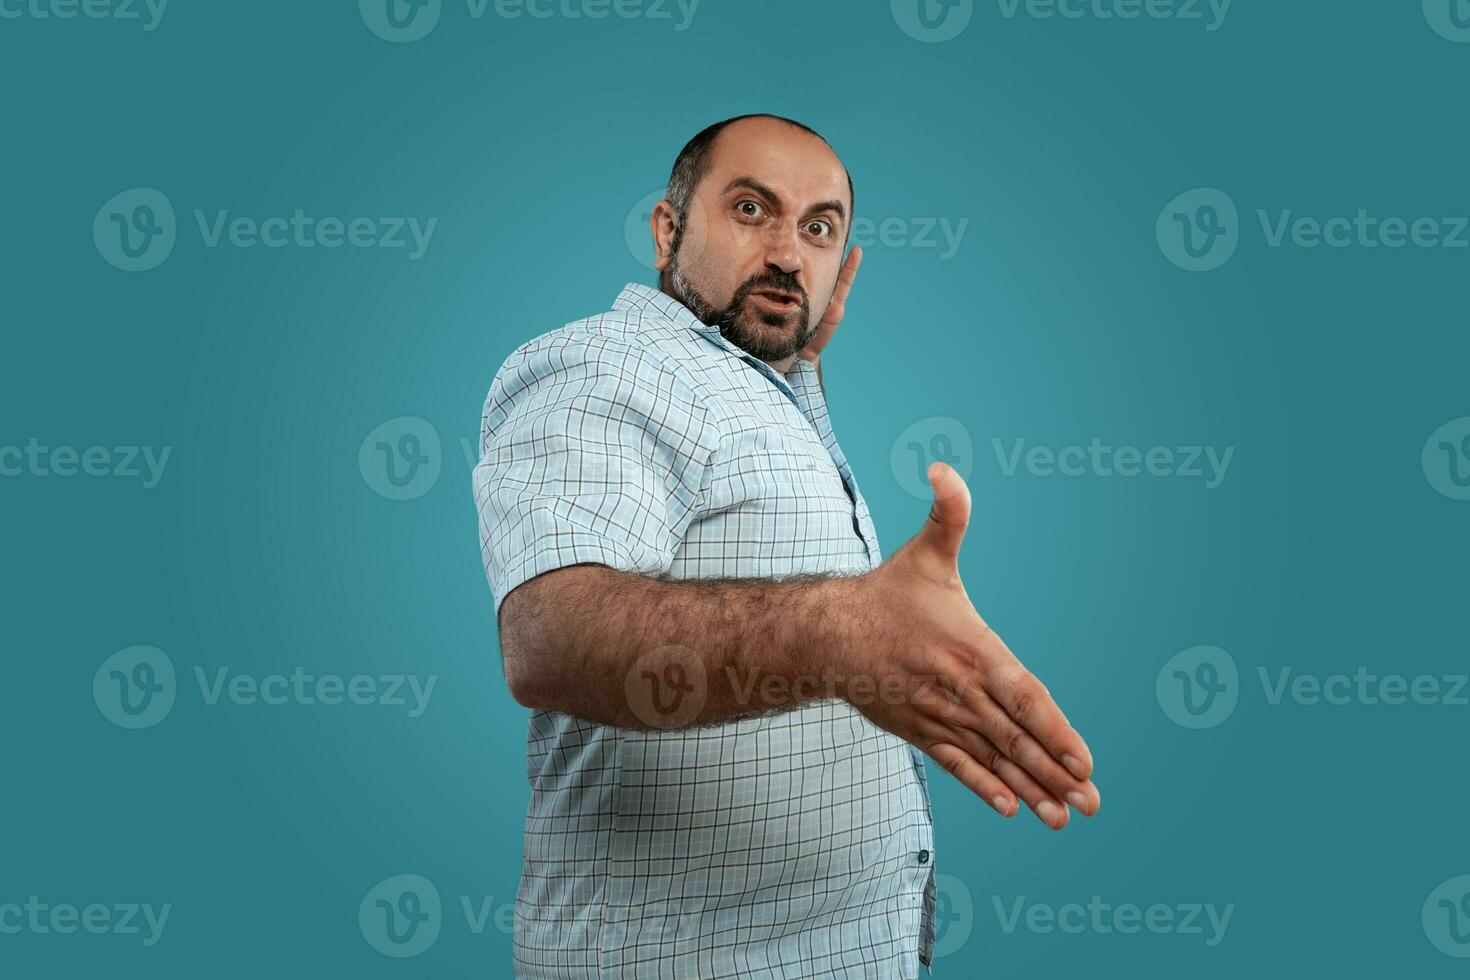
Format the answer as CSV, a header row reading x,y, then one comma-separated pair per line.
x,y
551,554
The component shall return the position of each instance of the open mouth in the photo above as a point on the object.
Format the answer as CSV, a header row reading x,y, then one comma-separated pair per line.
x,y
778,298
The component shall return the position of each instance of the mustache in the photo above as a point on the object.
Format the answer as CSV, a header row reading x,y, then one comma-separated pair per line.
x,y
783,284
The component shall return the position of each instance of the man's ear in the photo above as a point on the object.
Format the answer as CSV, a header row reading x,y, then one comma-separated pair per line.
x,y
662,223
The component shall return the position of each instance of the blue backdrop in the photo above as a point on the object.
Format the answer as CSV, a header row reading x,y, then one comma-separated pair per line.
x,y
1179,285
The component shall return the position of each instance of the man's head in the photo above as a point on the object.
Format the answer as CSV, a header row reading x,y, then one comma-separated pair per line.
x,y
751,232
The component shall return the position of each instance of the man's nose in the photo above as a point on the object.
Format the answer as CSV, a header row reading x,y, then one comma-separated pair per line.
x,y
783,247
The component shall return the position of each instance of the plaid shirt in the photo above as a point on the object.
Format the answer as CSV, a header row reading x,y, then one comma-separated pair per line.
x,y
795,844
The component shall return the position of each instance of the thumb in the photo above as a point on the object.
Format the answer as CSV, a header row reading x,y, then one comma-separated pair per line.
x,y
950,513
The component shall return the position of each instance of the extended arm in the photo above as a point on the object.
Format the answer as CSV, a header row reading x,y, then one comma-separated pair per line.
x,y
619,648
901,643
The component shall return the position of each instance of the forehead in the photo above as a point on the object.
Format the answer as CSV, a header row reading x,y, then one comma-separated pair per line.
x,y
792,162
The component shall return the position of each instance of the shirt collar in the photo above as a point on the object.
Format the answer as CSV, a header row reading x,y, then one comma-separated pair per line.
x,y
644,298
637,296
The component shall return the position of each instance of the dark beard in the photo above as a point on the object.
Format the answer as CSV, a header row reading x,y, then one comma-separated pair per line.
x,y
728,321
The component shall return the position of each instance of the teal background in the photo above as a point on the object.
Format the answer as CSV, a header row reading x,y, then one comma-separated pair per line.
x,y
1059,319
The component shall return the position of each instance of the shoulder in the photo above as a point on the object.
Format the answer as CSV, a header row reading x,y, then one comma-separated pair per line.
x,y
626,346
622,355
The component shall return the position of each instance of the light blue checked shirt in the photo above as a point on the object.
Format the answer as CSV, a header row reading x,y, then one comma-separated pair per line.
x,y
796,844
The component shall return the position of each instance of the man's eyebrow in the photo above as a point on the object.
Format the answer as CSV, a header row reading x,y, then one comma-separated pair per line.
x,y
752,184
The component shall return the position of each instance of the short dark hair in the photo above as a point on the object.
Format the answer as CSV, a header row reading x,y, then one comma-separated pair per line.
x,y
693,165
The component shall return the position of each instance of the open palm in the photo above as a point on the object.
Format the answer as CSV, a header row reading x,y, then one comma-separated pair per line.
x,y
835,309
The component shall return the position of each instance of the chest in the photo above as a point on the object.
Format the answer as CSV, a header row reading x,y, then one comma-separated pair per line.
x,y
781,498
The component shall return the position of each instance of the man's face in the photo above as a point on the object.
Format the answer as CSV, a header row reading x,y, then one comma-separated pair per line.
x,y
759,251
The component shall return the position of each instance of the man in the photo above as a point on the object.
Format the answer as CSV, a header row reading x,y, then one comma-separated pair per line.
x,y
729,687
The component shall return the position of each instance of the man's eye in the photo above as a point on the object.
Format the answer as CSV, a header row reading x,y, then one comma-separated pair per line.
x,y
750,209
822,228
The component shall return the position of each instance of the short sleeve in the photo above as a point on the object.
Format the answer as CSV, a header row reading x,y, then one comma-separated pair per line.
x,y
591,450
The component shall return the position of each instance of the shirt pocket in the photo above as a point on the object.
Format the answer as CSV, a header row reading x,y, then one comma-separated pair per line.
x,y
779,457
781,502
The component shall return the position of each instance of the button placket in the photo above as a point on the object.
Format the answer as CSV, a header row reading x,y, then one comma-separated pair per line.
x,y
814,411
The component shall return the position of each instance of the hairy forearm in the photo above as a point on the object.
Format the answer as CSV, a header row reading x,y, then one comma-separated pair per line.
x,y
639,652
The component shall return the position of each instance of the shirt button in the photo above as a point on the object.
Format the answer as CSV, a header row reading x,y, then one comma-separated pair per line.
x,y
923,857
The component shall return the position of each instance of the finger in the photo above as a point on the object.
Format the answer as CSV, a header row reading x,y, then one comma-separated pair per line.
x,y
975,777
959,760
837,305
1019,746
950,513
1048,809
1030,705
847,275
